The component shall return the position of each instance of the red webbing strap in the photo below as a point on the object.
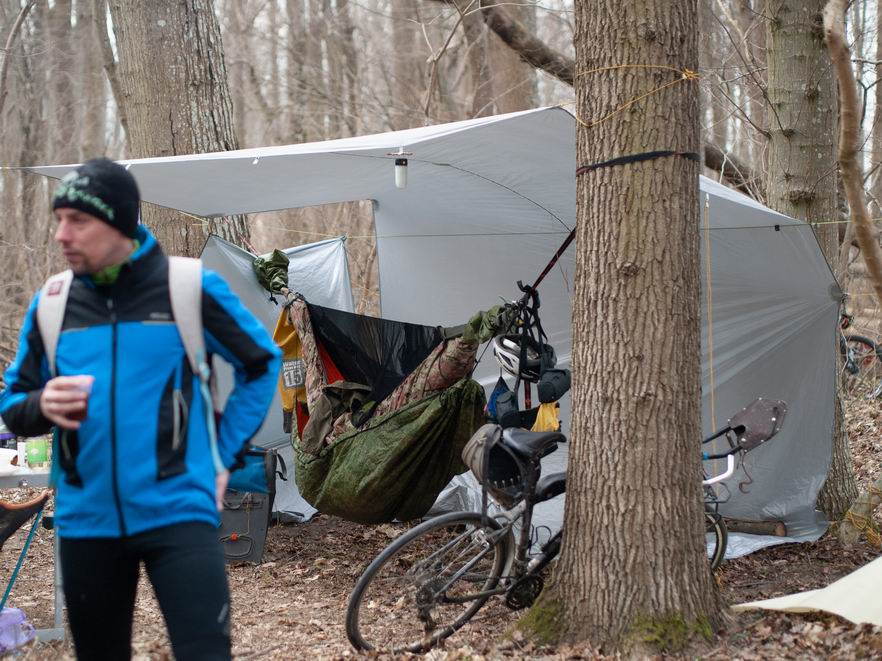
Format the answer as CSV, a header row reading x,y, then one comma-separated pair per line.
x,y
560,251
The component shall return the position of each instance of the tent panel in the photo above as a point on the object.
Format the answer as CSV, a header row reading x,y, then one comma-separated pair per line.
x,y
311,267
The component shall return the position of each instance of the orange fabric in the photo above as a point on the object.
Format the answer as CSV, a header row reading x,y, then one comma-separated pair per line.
x,y
302,417
332,373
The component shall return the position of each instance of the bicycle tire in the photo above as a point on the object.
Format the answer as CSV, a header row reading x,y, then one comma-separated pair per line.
x,y
861,370
414,597
714,525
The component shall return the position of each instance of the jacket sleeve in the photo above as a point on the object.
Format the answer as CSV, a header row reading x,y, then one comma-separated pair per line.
x,y
24,379
232,332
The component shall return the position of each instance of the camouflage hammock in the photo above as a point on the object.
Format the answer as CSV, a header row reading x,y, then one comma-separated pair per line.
x,y
389,407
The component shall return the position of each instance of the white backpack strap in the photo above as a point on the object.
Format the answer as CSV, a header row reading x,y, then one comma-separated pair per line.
x,y
185,292
50,313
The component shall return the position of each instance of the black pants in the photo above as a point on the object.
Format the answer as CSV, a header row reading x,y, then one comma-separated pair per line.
x,y
185,564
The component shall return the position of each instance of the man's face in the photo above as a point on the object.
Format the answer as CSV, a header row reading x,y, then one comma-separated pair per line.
x,y
88,243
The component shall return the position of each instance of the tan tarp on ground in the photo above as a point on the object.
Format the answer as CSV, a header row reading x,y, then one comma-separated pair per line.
x,y
854,597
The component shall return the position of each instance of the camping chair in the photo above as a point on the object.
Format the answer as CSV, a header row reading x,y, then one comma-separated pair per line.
x,y
12,517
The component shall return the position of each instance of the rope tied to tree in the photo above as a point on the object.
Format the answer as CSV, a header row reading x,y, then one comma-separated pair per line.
x,y
685,75
865,525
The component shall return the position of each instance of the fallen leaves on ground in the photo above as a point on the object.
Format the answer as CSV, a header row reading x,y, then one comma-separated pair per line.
x,y
293,605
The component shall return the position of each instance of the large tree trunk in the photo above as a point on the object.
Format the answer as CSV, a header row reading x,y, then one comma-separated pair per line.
x,y
633,569
801,179
174,85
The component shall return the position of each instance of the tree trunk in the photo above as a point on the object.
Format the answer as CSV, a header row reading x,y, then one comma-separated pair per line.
x,y
514,80
408,55
859,518
93,111
479,69
174,85
295,72
751,21
801,180
62,124
350,59
633,571
876,158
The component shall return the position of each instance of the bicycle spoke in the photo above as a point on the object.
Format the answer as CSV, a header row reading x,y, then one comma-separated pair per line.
x,y
426,585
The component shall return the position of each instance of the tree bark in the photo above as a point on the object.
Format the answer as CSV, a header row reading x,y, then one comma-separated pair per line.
x,y
175,93
295,72
801,179
409,54
110,66
876,157
858,519
479,67
350,62
633,571
7,51
93,111
514,79
62,124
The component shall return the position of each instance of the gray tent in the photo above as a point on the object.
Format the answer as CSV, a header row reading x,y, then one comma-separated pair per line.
x,y
488,201
320,272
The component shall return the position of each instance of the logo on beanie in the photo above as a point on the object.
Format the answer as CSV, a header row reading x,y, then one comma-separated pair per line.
x,y
71,189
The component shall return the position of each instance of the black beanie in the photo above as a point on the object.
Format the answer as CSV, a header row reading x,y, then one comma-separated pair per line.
x,y
103,189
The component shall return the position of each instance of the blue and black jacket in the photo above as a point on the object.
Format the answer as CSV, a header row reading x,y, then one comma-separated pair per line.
x,y
141,459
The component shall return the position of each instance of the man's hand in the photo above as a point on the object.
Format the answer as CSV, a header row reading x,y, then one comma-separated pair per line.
x,y
220,487
64,401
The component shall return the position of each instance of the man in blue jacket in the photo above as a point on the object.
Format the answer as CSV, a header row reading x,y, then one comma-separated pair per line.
x,y
138,481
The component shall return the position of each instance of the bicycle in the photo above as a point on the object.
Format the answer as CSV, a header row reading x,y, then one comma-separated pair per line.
x,y
860,369
754,425
445,569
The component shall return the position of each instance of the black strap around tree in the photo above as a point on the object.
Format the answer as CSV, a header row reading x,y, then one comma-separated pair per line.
x,y
637,158
613,162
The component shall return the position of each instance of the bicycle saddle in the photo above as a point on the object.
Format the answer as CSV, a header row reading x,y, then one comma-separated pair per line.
x,y
530,444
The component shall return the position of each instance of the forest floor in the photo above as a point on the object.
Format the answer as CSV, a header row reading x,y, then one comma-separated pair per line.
x,y
292,606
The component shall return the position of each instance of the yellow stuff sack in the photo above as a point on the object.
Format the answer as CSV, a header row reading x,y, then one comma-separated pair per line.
x,y
547,419
292,380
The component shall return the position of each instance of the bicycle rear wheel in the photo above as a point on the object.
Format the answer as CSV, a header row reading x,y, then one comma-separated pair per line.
x,y
427,583
862,368
717,536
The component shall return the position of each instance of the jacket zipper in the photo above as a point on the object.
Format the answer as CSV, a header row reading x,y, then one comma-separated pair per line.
x,y
115,477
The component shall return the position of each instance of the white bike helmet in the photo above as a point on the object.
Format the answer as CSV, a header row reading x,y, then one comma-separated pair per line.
x,y
507,350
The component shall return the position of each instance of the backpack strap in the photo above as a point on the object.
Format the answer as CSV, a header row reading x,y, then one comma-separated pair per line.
x,y
185,292
50,313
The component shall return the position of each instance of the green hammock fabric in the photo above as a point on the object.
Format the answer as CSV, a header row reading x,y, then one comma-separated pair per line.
x,y
272,271
395,466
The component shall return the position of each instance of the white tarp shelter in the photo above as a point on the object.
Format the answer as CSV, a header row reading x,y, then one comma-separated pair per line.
x,y
488,201
854,597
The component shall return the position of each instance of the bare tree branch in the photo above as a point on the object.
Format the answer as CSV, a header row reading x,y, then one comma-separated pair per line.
x,y
739,174
531,49
7,51
535,52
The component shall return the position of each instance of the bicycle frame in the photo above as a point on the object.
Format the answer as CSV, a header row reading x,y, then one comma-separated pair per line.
x,y
729,456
